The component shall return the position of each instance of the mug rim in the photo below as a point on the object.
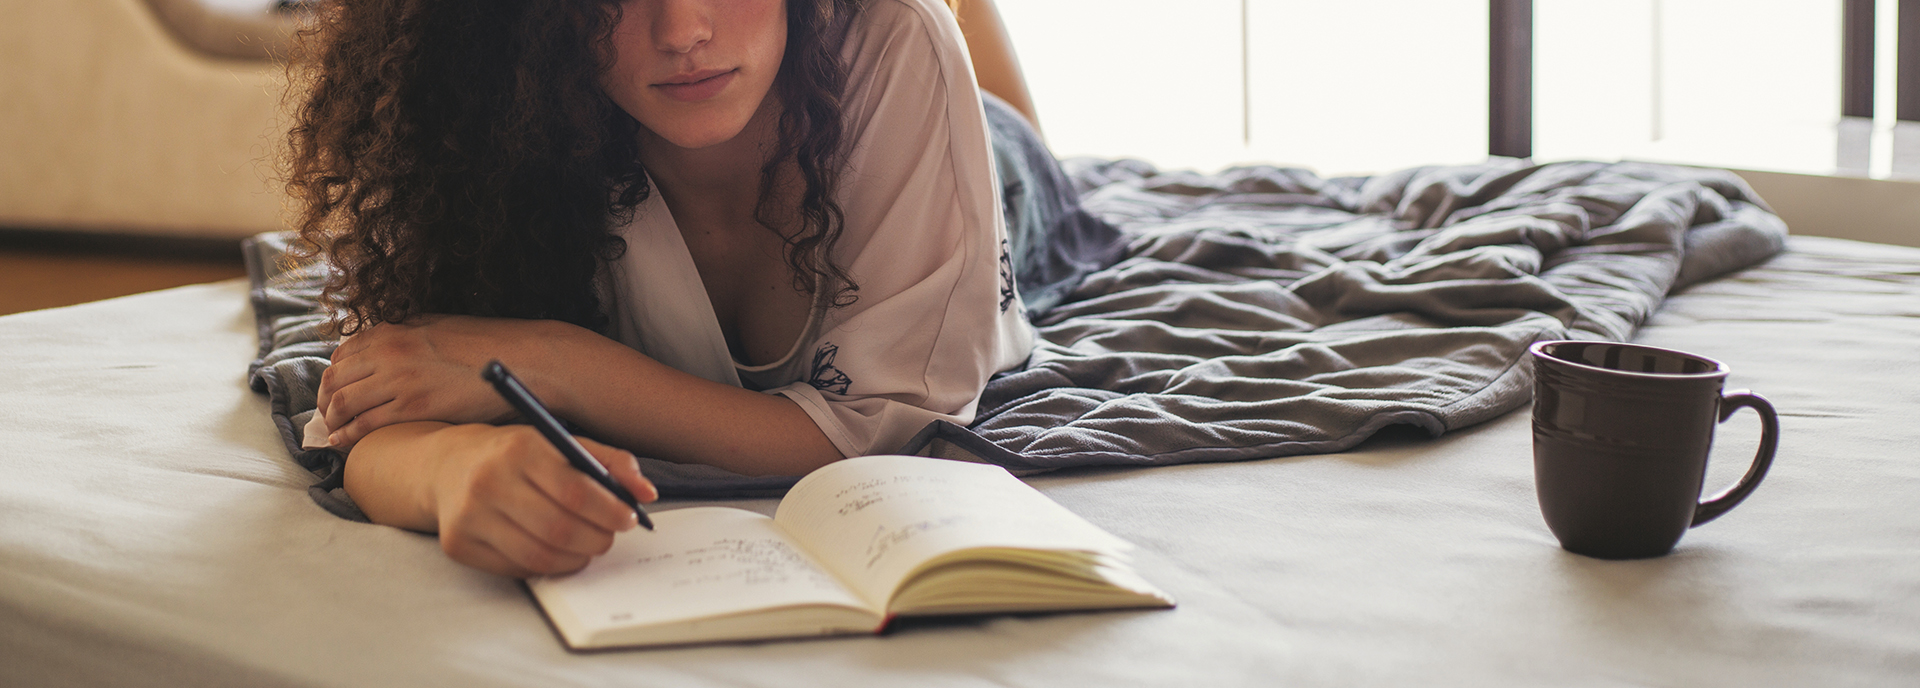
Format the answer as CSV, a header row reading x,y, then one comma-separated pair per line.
x,y
1537,350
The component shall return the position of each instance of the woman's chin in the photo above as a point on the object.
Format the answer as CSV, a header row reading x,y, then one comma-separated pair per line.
x,y
696,138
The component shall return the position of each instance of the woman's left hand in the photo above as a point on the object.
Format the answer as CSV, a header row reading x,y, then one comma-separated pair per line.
x,y
426,369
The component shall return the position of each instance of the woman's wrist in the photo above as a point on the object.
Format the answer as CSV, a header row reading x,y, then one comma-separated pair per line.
x,y
392,474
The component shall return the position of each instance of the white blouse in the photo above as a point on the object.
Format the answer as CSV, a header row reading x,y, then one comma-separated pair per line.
x,y
924,239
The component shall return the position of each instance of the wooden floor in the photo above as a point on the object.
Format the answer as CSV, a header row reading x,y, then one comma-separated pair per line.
x,y
37,271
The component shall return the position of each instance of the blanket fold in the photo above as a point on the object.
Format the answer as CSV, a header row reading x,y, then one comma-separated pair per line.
x,y
1262,311
1266,312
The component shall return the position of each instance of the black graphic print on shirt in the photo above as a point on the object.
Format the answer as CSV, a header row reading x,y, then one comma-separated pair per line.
x,y
827,378
1006,275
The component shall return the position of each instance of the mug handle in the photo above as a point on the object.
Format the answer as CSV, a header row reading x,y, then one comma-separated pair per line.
x,y
1763,459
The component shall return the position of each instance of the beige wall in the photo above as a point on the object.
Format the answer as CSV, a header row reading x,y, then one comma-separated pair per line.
x,y
1878,210
108,123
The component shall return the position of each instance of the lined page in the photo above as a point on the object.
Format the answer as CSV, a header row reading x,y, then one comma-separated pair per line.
x,y
698,562
873,519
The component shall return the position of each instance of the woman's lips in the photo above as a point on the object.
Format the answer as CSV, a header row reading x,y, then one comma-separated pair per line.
x,y
697,86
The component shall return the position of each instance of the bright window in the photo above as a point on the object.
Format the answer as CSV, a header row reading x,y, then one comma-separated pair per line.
x,y
1372,85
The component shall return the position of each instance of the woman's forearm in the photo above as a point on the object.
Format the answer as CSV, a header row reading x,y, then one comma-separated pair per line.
x,y
627,399
996,68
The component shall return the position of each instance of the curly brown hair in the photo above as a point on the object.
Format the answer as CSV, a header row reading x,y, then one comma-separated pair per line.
x,y
459,156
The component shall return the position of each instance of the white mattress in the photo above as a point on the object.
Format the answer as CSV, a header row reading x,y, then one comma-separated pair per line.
x,y
153,532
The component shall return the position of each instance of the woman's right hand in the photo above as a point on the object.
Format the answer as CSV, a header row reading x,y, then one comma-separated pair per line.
x,y
428,369
501,497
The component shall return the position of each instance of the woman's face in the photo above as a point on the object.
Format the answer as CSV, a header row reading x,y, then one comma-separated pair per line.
x,y
695,71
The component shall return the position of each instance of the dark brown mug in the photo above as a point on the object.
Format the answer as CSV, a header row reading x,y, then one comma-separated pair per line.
x,y
1621,434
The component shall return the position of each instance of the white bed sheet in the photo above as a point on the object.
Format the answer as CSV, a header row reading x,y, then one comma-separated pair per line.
x,y
153,532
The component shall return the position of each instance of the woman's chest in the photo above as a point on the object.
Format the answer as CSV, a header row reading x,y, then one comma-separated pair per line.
x,y
751,288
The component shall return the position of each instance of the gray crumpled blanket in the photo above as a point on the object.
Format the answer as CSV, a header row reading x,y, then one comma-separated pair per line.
x,y
1263,312
1266,312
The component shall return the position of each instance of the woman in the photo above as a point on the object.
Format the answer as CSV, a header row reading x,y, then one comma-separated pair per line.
x,y
761,235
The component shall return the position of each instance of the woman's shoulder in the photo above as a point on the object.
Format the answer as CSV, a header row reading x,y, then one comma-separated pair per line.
x,y
907,30
909,58
924,12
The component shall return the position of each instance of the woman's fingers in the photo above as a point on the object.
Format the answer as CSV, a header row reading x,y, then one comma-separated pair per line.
x,y
556,526
346,365
525,530
580,514
547,498
347,392
509,551
400,393
354,411
339,375
361,375
624,468
370,402
516,506
581,499
346,435
352,344
480,555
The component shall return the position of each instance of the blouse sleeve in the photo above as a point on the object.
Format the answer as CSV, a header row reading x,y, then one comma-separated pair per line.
x,y
924,241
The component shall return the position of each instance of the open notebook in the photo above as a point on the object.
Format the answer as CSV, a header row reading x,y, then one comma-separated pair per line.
x,y
852,545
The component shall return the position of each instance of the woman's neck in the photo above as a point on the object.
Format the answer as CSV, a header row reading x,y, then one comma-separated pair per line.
x,y
727,172
713,194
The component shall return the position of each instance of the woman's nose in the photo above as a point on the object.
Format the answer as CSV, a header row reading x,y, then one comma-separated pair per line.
x,y
679,26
